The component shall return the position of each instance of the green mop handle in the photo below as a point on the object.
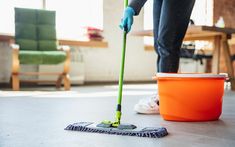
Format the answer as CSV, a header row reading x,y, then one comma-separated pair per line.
x,y
121,75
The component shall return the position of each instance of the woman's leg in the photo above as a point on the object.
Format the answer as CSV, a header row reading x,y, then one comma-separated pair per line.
x,y
174,20
171,19
157,5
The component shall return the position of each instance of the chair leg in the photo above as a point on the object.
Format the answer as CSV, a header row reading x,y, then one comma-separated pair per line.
x,y
15,82
67,83
59,81
15,68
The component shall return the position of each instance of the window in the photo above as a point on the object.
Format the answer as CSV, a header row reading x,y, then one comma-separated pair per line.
x,y
71,15
148,20
7,14
148,15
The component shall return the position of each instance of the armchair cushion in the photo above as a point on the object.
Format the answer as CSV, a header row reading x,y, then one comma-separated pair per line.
x,y
27,44
30,57
27,16
46,32
35,33
41,57
47,45
46,17
53,57
26,31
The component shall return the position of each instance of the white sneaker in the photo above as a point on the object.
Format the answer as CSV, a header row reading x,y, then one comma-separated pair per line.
x,y
148,105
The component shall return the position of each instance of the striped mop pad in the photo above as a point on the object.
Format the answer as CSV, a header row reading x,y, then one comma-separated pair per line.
x,y
150,132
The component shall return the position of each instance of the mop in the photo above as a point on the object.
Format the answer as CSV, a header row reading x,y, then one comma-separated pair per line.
x,y
116,127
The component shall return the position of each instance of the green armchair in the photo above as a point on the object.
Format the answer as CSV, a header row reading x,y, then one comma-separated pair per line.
x,y
36,44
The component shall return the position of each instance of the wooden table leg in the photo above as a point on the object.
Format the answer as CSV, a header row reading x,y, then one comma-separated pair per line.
x,y
228,62
216,54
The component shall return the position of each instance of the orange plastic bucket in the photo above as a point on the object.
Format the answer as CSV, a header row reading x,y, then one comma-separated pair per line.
x,y
190,97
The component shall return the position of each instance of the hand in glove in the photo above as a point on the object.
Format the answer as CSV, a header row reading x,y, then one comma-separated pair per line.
x,y
127,19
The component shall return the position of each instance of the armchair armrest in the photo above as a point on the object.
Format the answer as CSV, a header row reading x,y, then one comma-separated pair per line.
x,y
15,46
64,48
68,57
15,58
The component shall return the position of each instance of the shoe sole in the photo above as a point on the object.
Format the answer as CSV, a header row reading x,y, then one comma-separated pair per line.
x,y
139,110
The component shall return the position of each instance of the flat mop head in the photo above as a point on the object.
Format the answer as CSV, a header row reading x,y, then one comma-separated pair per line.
x,y
151,132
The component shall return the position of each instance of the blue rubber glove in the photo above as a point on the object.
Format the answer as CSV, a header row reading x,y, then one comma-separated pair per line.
x,y
127,19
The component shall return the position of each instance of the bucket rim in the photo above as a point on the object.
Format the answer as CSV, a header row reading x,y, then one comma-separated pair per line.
x,y
191,75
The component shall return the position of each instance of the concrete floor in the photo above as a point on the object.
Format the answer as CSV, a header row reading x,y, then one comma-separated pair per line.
x,y
37,119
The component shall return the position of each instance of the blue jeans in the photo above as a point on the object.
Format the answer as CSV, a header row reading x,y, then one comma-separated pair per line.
x,y
170,22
